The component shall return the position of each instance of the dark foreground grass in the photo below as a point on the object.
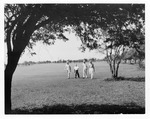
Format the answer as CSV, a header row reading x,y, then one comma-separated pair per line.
x,y
84,109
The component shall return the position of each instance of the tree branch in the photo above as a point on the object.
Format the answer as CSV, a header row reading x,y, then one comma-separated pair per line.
x,y
42,24
9,49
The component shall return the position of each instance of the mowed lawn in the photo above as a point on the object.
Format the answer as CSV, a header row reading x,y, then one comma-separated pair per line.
x,y
46,84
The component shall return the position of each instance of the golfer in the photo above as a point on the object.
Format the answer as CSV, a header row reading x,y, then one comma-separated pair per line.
x,y
68,69
85,69
76,71
91,69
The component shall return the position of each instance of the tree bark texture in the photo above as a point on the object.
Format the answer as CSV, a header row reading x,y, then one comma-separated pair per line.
x,y
10,68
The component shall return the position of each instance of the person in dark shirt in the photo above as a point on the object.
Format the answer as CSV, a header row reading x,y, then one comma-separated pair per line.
x,y
76,71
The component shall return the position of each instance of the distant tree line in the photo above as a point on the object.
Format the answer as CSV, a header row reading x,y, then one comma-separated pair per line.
x,y
26,63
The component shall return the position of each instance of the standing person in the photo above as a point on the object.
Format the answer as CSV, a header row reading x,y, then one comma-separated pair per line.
x,y
76,71
68,68
91,69
85,69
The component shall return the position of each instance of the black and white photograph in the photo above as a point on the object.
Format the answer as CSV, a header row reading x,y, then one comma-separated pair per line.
x,y
74,59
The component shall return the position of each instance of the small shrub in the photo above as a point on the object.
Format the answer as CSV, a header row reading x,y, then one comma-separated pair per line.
x,y
142,65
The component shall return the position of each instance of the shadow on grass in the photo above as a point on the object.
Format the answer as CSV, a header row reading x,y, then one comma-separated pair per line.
x,y
84,109
138,79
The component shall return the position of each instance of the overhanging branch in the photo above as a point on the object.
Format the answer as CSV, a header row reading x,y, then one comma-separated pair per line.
x,y
42,24
9,49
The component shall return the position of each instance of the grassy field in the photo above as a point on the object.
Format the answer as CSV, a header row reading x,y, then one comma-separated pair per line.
x,y
42,85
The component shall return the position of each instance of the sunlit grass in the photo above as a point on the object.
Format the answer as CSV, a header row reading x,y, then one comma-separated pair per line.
x,y
45,86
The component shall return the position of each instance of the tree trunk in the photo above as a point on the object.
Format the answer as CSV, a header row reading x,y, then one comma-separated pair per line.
x,y
110,65
117,68
8,81
130,61
114,69
125,61
13,59
135,61
115,75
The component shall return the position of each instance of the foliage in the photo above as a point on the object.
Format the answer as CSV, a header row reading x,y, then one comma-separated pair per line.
x,y
123,29
132,53
117,20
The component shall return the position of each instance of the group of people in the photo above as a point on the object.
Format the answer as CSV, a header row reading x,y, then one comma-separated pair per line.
x,y
86,68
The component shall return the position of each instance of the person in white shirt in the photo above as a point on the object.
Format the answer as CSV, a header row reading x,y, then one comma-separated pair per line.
x,y
68,69
76,71
85,69
91,69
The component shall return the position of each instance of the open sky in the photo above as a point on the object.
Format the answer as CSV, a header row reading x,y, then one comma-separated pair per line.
x,y
60,50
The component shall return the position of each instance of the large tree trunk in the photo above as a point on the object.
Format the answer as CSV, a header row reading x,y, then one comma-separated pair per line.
x,y
8,80
19,44
13,59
